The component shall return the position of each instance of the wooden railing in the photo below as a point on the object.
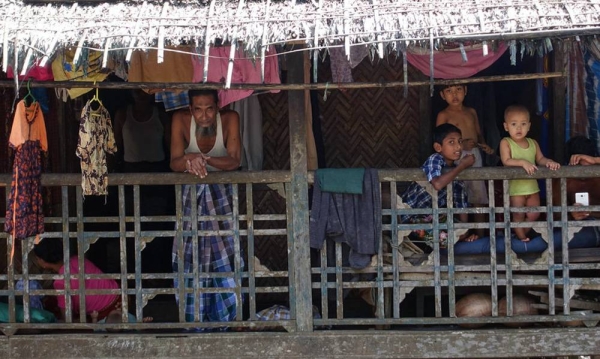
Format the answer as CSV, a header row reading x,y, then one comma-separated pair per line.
x,y
406,283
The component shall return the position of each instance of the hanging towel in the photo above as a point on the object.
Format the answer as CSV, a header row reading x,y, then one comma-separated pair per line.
x,y
354,219
341,180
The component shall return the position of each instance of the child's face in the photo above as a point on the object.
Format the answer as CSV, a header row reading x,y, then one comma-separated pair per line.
x,y
451,147
517,124
454,95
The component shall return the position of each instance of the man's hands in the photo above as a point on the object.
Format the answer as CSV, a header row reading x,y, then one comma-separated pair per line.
x,y
197,165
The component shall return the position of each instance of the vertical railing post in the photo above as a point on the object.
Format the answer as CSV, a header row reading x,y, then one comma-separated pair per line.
x,y
300,290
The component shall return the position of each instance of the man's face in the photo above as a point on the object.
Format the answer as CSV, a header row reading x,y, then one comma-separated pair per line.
x,y
451,147
204,109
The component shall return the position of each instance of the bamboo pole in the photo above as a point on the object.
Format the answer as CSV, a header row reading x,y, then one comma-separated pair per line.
x,y
285,87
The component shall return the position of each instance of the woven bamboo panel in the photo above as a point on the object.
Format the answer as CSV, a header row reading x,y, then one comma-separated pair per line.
x,y
276,137
376,128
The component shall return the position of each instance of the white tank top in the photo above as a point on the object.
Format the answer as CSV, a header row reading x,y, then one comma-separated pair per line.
x,y
143,141
218,149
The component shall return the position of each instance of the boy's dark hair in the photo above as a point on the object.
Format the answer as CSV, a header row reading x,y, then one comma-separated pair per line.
x,y
50,250
203,92
443,130
581,145
443,87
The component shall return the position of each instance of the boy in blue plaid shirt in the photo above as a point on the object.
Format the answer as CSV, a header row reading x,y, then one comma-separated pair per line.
x,y
447,141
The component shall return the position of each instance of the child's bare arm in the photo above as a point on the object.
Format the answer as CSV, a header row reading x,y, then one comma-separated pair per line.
x,y
441,119
541,160
446,178
507,160
480,140
583,160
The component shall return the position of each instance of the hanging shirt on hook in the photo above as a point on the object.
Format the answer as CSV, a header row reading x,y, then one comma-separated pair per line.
x,y
24,213
96,138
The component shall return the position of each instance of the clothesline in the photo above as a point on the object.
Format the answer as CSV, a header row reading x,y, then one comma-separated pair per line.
x,y
285,87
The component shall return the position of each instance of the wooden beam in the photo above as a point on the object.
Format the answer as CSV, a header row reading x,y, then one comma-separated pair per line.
x,y
450,343
299,85
300,278
559,93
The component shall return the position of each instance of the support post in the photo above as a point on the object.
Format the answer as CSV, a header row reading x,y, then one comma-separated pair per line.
x,y
559,92
300,291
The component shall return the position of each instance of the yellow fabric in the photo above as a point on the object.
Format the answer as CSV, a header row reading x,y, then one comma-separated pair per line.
x,y
522,187
64,70
176,67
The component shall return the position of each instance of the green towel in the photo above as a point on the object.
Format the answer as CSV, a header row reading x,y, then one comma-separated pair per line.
x,y
35,315
341,180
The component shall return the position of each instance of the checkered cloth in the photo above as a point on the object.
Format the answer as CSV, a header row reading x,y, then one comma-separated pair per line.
x,y
173,100
417,197
215,254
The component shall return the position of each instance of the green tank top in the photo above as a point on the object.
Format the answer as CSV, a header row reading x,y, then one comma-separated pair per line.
x,y
522,187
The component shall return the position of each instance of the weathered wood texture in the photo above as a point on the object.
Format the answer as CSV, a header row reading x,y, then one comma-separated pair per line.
x,y
559,103
493,343
290,86
300,273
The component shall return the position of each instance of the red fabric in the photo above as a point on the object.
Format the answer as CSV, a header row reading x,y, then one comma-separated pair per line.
x,y
36,72
449,64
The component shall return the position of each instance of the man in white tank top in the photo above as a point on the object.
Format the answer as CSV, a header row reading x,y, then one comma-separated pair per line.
x,y
204,140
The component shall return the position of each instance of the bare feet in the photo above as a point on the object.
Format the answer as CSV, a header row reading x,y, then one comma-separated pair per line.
x,y
468,237
147,319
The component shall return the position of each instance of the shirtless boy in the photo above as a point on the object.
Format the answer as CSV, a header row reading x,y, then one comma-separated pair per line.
x,y
465,118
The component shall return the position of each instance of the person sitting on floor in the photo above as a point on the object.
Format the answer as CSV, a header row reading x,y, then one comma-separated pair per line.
x,y
49,255
447,140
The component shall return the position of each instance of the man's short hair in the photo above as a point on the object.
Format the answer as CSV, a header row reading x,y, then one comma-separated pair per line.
x,y
581,145
443,130
203,92
517,109
50,250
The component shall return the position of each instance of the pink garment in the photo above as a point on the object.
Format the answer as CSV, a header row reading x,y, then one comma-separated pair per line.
x,y
35,72
245,70
448,64
92,302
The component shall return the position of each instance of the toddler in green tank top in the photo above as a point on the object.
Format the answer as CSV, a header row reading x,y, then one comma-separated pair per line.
x,y
521,151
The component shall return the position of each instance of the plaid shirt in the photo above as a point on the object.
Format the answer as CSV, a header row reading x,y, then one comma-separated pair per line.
x,y
173,100
417,197
215,254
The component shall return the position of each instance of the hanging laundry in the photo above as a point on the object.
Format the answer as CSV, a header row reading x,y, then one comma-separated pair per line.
x,y
245,70
34,72
450,64
251,128
173,100
341,67
24,214
176,67
96,138
89,69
